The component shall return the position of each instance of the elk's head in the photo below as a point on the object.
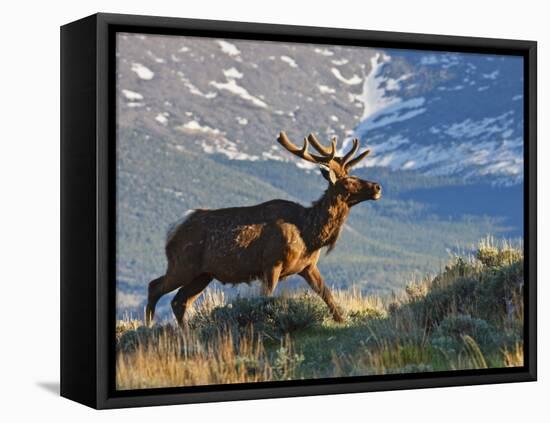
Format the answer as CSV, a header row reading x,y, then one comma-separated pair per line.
x,y
335,169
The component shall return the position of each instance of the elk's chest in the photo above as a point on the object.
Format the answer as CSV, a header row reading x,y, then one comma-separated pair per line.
x,y
297,256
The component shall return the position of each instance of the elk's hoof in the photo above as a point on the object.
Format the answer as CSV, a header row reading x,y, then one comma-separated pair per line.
x,y
339,318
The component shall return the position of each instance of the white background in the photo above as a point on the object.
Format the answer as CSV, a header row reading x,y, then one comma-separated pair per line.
x,y
29,236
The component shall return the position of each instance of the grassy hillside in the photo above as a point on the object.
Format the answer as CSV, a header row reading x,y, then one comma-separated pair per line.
x,y
470,315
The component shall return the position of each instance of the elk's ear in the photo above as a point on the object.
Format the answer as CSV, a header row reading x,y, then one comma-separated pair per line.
x,y
328,174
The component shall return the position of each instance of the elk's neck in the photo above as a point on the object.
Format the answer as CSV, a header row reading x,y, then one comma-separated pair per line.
x,y
325,219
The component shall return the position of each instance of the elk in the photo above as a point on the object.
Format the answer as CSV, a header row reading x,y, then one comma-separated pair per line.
x,y
266,242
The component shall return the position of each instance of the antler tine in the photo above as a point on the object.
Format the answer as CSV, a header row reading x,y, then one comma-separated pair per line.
x,y
332,153
351,153
356,160
319,159
293,148
302,152
320,147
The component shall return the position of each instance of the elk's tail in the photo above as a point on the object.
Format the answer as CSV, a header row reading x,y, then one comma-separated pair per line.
x,y
173,228
176,233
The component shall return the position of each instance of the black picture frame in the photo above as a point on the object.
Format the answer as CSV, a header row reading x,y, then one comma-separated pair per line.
x,y
88,209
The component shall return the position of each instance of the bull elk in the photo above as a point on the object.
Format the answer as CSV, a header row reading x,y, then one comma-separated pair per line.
x,y
268,241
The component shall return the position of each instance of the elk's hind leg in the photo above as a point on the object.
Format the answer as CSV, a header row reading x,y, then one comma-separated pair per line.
x,y
187,294
159,287
313,277
155,291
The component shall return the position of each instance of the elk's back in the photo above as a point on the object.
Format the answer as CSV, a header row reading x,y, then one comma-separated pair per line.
x,y
233,244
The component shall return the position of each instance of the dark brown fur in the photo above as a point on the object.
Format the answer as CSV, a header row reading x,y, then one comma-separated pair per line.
x,y
268,241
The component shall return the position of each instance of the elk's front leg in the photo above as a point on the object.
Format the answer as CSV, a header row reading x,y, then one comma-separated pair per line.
x,y
271,278
313,277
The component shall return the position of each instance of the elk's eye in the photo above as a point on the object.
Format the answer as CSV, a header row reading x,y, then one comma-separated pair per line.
x,y
349,182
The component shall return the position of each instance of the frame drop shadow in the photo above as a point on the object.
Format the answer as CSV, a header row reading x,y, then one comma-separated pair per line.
x,y
51,387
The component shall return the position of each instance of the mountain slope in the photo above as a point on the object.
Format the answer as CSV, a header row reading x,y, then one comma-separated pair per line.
x,y
437,113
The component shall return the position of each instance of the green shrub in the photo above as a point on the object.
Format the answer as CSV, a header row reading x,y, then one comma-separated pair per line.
x,y
450,331
130,340
285,363
365,315
500,295
441,301
492,293
252,364
273,316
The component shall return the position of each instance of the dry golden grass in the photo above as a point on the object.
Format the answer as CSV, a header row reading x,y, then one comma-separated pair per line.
x,y
354,301
514,358
180,359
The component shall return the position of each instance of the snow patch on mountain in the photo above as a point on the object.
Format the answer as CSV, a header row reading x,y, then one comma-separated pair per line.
x,y
380,106
132,95
290,61
393,143
374,98
339,62
395,84
142,71
193,89
470,159
241,120
492,75
162,118
214,141
398,111
444,60
272,154
323,51
474,128
227,148
234,88
453,88
155,58
326,89
229,48
354,80
232,73
194,126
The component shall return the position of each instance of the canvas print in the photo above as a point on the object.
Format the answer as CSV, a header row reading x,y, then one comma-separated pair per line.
x,y
290,211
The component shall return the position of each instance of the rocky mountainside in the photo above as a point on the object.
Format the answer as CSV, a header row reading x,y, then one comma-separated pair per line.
x,y
437,113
